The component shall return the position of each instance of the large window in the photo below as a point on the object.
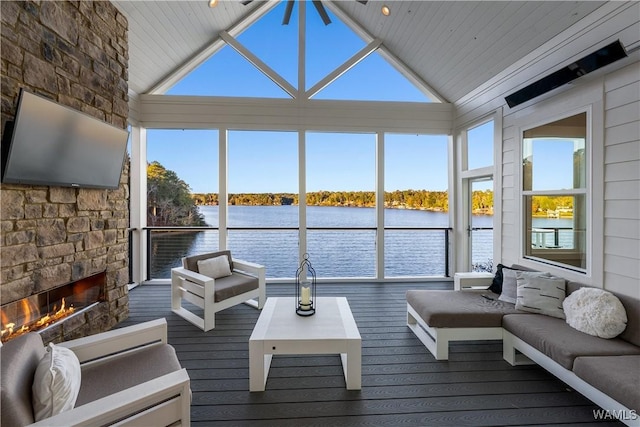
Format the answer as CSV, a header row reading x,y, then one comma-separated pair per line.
x,y
341,216
348,228
416,205
555,191
299,169
182,191
263,196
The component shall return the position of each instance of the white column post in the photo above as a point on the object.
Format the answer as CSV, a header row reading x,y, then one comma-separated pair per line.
x,y
223,177
302,198
138,202
302,140
380,205
458,253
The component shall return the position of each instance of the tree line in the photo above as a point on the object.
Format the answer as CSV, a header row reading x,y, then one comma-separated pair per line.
x,y
481,200
558,205
171,203
409,199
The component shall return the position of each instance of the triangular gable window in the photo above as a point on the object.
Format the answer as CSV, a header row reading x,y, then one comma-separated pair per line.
x,y
227,73
372,79
274,43
328,48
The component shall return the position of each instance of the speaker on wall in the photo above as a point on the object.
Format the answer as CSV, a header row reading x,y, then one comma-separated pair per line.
x,y
589,63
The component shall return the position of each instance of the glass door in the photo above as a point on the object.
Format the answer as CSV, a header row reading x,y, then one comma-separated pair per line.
x,y
480,223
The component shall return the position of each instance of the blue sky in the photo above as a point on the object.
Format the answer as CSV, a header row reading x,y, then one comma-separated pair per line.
x,y
553,162
267,161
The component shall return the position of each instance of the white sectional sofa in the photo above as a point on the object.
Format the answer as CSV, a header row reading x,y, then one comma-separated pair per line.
x,y
607,371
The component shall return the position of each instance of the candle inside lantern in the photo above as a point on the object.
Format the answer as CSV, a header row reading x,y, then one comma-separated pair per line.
x,y
305,295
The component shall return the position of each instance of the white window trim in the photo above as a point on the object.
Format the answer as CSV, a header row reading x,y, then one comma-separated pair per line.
x,y
465,172
588,100
462,176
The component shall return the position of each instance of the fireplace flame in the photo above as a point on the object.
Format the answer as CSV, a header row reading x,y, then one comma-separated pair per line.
x,y
33,320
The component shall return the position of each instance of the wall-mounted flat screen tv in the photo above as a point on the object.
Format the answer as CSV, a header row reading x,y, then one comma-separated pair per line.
x,y
51,144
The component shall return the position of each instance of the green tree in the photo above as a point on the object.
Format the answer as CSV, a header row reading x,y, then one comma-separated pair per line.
x,y
169,199
482,200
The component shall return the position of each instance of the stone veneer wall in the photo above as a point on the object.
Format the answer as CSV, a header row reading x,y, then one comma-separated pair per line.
x,y
76,53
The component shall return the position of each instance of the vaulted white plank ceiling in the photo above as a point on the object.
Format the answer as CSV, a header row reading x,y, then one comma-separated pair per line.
x,y
453,46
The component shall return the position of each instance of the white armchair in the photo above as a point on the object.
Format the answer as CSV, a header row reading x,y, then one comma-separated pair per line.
x,y
246,282
130,376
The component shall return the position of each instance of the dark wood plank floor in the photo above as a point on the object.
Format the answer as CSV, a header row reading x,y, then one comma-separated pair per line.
x,y
402,384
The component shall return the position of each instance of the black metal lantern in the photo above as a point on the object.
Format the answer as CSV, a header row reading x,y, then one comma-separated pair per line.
x,y
305,288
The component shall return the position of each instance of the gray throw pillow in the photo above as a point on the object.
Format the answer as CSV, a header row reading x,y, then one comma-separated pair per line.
x,y
509,286
540,293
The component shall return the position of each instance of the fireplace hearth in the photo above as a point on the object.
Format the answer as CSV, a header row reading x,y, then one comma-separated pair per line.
x,y
48,309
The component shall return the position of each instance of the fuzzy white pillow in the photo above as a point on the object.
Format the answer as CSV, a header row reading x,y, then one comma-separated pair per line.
x,y
56,382
215,267
595,312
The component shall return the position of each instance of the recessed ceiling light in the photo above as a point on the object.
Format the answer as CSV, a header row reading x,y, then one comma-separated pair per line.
x,y
385,10
213,3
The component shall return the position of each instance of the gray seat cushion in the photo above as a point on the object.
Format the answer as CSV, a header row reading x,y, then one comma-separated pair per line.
x,y
555,338
236,284
111,376
18,362
616,376
459,309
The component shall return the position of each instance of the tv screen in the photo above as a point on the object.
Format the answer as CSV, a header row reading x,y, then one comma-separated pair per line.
x,y
51,144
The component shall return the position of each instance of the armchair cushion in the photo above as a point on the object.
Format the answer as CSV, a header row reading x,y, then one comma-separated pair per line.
x,y
233,285
113,375
20,358
215,267
56,382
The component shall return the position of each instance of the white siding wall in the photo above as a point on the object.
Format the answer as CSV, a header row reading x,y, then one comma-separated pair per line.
x,y
616,162
613,97
622,181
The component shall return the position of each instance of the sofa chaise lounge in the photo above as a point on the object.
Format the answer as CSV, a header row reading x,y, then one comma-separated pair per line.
x,y
607,371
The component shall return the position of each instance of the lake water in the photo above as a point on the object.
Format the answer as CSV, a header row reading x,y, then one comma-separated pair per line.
x,y
333,253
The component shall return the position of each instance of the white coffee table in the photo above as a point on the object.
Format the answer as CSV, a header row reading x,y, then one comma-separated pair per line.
x,y
279,330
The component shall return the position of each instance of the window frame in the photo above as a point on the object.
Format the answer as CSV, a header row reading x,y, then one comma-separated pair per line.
x,y
482,170
548,112
464,176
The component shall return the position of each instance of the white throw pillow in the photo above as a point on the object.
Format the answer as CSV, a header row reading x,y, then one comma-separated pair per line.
x,y
540,293
56,382
215,267
595,312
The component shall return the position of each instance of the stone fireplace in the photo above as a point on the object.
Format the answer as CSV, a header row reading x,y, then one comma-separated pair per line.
x,y
75,53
